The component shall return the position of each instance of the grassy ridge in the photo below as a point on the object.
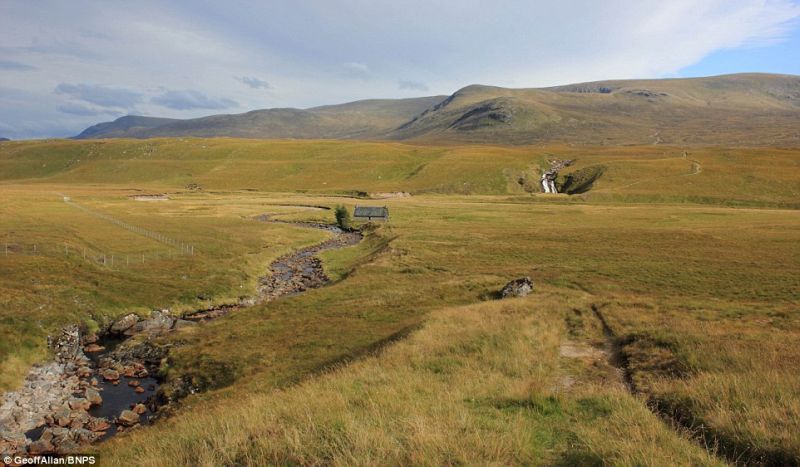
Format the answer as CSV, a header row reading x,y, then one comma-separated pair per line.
x,y
755,177
738,110
741,110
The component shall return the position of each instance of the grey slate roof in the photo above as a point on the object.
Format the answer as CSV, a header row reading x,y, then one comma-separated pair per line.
x,y
371,211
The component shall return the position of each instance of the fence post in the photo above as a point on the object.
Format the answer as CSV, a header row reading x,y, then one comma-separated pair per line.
x,y
84,252
34,249
66,250
104,259
112,261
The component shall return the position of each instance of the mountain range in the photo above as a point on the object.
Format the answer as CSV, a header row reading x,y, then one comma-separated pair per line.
x,y
742,109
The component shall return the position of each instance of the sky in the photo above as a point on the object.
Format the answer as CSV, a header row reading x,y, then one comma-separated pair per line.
x,y
65,65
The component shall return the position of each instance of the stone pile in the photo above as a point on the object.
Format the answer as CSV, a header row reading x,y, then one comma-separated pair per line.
x,y
54,396
57,396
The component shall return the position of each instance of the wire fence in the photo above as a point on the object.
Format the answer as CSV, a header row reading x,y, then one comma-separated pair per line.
x,y
175,249
73,252
159,237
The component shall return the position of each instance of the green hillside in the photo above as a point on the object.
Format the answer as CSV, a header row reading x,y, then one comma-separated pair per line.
x,y
727,110
730,110
637,173
361,119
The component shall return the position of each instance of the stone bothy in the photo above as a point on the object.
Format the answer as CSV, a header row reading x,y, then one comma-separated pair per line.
x,y
371,213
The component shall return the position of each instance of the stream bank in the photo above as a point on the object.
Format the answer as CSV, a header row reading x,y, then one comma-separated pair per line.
x,y
104,384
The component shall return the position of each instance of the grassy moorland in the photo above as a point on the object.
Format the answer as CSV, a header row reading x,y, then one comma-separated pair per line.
x,y
65,280
690,301
481,384
691,263
651,174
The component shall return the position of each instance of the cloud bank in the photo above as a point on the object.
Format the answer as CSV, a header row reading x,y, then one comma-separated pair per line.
x,y
64,64
191,100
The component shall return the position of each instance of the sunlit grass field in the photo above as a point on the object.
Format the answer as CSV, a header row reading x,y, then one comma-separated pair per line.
x,y
58,285
691,259
652,174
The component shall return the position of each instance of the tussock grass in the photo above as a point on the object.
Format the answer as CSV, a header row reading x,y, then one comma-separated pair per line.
x,y
728,379
475,385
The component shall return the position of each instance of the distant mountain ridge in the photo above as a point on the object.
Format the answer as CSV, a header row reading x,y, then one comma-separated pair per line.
x,y
366,119
741,109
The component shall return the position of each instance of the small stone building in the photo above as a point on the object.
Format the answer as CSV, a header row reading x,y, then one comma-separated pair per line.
x,y
371,213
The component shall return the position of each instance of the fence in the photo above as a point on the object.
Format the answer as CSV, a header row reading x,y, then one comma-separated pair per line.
x,y
110,259
183,247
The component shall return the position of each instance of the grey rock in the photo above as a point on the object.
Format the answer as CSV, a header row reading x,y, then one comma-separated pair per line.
x,y
67,344
517,288
160,321
123,324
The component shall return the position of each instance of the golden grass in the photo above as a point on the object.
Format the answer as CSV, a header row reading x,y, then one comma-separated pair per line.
x,y
651,174
476,385
703,299
38,294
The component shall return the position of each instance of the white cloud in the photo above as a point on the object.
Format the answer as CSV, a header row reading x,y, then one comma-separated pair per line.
x,y
327,52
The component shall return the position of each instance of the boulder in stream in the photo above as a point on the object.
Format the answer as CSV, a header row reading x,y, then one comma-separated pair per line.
x,y
93,396
79,403
97,425
123,324
128,418
160,321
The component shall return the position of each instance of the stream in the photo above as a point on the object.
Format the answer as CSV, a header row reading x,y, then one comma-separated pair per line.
x,y
101,386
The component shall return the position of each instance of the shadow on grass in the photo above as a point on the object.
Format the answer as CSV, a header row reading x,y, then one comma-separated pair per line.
x,y
735,450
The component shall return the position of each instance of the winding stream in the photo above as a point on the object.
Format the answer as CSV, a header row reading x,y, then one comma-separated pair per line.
x,y
126,380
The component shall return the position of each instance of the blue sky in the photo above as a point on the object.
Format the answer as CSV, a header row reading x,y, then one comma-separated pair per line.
x,y
65,65
781,57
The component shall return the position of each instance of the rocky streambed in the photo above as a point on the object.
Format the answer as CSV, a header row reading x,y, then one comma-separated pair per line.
x,y
106,383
